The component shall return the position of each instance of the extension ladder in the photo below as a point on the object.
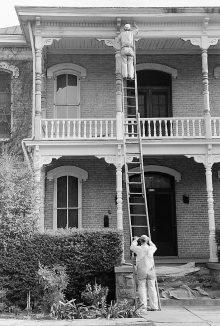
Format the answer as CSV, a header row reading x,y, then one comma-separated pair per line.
x,y
134,168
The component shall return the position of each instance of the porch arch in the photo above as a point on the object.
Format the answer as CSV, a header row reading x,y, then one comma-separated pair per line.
x,y
161,169
157,66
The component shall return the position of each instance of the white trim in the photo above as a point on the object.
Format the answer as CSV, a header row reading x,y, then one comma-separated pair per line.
x,y
70,67
161,169
157,66
67,170
76,172
4,66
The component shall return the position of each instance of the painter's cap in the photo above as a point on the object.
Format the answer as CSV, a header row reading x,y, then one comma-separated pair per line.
x,y
127,26
145,238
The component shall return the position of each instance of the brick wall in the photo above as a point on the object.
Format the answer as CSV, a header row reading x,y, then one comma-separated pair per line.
x,y
99,196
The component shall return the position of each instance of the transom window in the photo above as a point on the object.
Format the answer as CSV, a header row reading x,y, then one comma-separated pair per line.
x,y
67,202
67,96
5,104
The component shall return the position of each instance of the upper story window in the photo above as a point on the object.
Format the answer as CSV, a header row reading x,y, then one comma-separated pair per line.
x,y
67,78
5,104
67,96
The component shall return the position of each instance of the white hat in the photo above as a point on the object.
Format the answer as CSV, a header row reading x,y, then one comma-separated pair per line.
x,y
127,26
145,238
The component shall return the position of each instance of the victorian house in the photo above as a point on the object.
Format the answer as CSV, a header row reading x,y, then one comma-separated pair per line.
x,y
60,71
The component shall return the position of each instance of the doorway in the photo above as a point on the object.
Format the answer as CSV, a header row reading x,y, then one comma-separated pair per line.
x,y
160,191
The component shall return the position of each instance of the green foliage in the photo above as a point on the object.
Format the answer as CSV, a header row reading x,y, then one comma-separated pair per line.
x,y
70,310
217,237
94,294
17,197
54,281
87,255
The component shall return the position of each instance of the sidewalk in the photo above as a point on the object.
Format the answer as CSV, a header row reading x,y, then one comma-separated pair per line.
x,y
169,316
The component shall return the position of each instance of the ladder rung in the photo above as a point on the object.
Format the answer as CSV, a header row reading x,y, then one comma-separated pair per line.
x,y
135,172
135,182
126,87
138,204
136,193
133,162
138,214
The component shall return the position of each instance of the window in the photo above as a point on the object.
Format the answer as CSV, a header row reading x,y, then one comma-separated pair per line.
x,y
67,202
67,96
5,104
67,196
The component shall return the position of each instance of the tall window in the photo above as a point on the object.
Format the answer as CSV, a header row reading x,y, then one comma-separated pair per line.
x,y
67,97
67,202
5,105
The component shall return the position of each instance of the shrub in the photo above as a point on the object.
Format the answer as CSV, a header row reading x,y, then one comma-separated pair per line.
x,y
94,295
17,197
87,256
54,281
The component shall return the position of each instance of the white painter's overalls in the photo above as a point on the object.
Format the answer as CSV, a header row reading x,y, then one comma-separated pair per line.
x,y
145,273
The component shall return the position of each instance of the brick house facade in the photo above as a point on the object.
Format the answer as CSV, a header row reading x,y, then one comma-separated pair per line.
x,y
66,88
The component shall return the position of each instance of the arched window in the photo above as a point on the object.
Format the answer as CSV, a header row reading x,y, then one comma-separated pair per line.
x,y
67,77
67,96
67,196
5,104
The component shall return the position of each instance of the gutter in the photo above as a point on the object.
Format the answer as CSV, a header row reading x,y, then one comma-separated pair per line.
x,y
34,60
33,103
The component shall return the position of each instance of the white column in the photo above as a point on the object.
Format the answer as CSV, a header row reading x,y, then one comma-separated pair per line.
x,y
119,196
39,176
38,73
209,186
208,160
119,99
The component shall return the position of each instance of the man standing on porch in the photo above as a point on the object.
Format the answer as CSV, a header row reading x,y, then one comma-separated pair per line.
x,y
126,38
145,271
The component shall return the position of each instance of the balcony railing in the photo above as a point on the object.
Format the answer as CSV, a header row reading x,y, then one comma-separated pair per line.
x,y
163,128
151,128
78,129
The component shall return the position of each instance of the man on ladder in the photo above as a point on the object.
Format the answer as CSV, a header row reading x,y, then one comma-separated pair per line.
x,y
145,271
126,38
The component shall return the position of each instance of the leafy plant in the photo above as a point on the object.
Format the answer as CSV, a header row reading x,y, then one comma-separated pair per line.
x,y
94,294
71,310
54,281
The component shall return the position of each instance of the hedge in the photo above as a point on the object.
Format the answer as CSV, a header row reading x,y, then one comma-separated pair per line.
x,y
89,256
217,236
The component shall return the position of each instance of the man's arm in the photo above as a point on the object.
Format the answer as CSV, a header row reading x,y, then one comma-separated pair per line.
x,y
134,246
152,247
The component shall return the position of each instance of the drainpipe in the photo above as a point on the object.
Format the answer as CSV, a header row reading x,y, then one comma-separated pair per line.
x,y
33,102
33,97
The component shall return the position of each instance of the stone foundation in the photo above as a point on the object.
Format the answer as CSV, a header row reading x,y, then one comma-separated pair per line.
x,y
125,284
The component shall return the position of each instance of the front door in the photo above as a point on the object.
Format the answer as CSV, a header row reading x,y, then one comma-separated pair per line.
x,y
161,210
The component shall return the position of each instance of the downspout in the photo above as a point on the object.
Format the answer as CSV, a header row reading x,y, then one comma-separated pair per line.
x,y
33,102
33,55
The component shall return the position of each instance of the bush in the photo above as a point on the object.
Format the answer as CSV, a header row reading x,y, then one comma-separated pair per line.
x,y
87,256
94,295
54,281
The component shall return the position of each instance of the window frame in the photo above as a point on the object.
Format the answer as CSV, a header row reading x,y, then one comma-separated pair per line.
x,y
65,72
11,102
76,172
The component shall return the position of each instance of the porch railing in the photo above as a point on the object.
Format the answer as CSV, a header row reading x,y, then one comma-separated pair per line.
x,y
161,128
151,128
78,129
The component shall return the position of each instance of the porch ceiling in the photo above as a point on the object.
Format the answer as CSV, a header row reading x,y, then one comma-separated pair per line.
x,y
143,45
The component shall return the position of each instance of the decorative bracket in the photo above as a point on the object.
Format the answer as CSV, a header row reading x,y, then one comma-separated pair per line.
x,y
204,42
207,159
111,42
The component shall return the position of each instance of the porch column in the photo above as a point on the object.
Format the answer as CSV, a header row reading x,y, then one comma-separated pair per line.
x,y
39,176
119,95
208,160
38,73
204,42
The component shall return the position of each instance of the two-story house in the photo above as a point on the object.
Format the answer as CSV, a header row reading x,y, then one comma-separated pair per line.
x,y
61,89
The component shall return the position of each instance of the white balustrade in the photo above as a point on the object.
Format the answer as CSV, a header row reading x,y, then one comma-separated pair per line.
x,y
215,127
78,128
160,128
